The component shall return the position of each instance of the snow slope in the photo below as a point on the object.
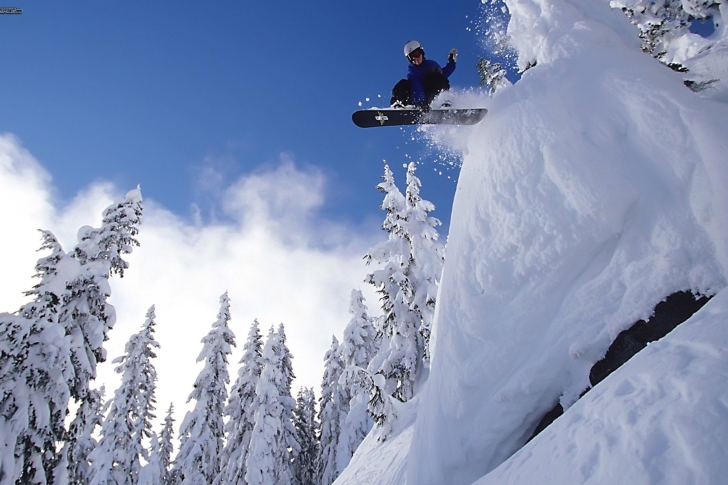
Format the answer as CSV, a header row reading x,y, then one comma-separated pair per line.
x,y
660,418
596,187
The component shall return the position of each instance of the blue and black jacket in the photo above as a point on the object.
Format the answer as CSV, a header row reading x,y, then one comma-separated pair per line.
x,y
420,75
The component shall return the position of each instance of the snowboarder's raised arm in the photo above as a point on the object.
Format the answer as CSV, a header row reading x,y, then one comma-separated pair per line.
x,y
452,59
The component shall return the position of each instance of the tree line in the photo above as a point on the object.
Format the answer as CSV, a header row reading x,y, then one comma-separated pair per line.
x,y
250,432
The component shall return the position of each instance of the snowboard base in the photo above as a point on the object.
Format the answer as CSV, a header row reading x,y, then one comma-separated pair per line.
x,y
372,118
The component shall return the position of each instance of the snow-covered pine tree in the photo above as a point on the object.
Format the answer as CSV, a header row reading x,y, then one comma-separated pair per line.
x,y
80,439
410,266
381,404
240,410
290,438
34,380
84,312
267,431
359,343
157,470
166,447
117,458
388,254
304,419
392,256
202,431
269,459
492,74
333,409
357,349
402,344
41,350
427,257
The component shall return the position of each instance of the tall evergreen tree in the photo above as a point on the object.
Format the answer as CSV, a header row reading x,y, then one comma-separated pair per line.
x,y
166,446
388,254
34,380
270,457
117,458
84,312
304,419
50,347
359,343
332,413
391,256
290,438
202,431
240,410
410,266
402,344
80,440
427,257
357,349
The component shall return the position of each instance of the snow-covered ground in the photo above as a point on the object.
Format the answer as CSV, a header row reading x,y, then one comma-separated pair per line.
x,y
596,186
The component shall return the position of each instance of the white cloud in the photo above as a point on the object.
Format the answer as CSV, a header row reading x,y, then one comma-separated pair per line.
x,y
279,261
25,203
284,194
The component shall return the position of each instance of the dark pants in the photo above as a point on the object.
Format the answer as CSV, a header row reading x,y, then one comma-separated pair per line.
x,y
434,84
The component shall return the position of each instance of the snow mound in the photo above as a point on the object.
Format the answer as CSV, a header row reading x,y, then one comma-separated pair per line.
x,y
592,191
595,187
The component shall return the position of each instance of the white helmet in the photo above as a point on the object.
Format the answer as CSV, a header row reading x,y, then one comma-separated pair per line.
x,y
412,46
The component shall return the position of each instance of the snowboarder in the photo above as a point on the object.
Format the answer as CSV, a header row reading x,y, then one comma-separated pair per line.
x,y
425,78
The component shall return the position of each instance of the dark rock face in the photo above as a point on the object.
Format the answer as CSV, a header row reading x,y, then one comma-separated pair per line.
x,y
668,314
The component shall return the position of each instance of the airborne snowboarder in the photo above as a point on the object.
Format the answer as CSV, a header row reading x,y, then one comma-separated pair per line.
x,y
425,78
412,96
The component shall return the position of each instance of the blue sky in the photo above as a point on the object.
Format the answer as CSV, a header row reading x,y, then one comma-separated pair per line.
x,y
205,106
162,93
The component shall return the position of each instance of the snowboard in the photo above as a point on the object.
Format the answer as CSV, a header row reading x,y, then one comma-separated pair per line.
x,y
371,118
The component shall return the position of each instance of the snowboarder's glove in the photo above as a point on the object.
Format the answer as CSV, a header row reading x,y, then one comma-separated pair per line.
x,y
453,55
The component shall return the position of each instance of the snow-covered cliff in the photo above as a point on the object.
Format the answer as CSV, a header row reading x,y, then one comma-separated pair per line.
x,y
596,186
